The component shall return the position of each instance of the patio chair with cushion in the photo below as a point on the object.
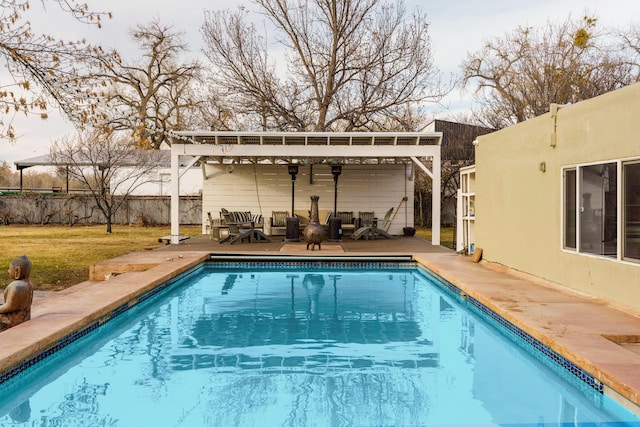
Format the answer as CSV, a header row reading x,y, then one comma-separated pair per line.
x,y
240,229
347,221
279,223
242,217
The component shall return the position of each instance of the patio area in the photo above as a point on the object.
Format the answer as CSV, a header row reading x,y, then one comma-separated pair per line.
x,y
399,245
598,338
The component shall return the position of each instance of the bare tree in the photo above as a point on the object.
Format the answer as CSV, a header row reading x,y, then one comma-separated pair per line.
x,y
8,177
517,77
457,152
44,70
111,166
350,65
156,94
630,40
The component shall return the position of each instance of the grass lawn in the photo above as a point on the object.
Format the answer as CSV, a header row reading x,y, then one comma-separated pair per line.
x,y
61,255
447,236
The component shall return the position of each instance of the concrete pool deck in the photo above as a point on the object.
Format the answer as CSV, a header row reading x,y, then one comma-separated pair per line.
x,y
602,340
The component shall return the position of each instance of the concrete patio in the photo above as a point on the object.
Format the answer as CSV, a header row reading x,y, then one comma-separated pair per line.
x,y
602,340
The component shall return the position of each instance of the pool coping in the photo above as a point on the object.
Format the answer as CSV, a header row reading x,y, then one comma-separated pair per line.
x,y
580,328
576,326
60,315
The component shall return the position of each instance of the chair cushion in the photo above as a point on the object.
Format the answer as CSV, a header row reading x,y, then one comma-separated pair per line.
x,y
257,219
328,217
242,216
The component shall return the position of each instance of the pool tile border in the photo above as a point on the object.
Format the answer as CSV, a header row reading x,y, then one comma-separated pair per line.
x,y
537,345
314,265
516,332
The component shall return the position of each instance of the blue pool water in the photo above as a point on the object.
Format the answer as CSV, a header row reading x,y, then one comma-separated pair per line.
x,y
303,346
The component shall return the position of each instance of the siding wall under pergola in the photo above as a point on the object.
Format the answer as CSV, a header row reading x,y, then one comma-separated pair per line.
x,y
313,148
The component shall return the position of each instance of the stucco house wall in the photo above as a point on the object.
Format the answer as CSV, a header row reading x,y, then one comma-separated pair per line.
x,y
519,192
266,188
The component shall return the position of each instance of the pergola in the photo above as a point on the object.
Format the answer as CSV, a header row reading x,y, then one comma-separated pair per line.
x,y
333,148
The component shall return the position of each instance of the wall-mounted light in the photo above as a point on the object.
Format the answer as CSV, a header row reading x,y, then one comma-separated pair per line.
x,y
543,167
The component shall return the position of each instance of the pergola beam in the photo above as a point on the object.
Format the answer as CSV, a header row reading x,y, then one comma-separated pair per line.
x,y
305,151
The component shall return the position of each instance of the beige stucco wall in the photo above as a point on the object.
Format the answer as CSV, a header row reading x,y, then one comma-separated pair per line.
x,y
519,207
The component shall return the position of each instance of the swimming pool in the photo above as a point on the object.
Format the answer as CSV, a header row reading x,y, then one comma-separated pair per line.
x,y
304,344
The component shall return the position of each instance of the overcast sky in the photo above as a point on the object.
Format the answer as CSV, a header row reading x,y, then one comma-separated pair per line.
x,y
456,27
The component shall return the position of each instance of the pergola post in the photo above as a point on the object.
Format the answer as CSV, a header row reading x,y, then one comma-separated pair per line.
x,y
435,201
436,180
175,195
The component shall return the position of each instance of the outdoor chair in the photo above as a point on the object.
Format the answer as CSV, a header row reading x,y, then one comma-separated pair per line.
x,y
365,219
240,216
238,231
303,217
241,230
215,225
278,223
372,231
347,221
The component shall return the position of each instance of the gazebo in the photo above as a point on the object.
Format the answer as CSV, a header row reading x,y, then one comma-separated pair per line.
x,y
274,151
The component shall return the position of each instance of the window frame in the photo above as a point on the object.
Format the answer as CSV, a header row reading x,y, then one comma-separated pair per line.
x,y
565,199
577,169
622,213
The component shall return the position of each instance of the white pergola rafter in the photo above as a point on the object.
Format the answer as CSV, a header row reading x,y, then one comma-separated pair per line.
x,y
307,147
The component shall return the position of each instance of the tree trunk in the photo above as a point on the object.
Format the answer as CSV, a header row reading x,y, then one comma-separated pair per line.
x,y
109,217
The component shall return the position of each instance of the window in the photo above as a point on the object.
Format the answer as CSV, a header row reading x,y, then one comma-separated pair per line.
x,y
598,210
631,215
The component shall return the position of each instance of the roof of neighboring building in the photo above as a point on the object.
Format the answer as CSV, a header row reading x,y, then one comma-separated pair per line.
x,y
164,160
457,138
